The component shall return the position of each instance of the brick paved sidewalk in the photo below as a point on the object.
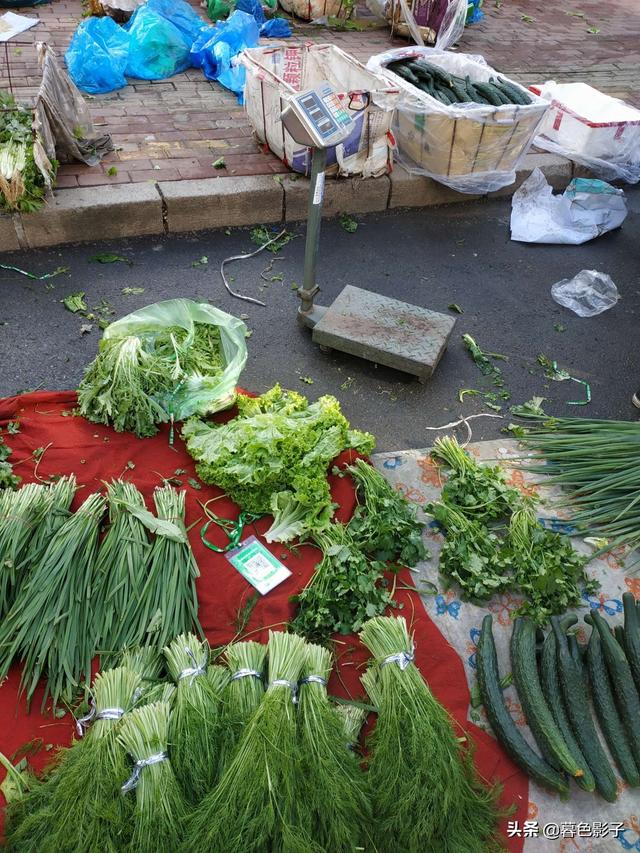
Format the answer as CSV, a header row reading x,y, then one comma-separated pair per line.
x,y
176,129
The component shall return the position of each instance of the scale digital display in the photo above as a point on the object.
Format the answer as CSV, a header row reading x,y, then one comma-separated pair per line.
x,y
317,118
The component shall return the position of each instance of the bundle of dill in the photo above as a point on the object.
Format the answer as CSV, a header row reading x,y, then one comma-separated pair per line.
x,y
242,694
148,663
384,523
333,797
78,805
121,569
255,807
352,719
424,788
49,625
20,513
167,604
159,806
194,729
131,382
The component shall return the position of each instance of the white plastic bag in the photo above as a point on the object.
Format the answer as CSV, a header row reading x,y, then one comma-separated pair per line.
x,y
472,148
587,294
591,128
586,209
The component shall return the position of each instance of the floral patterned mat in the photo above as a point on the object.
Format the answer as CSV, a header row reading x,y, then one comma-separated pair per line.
x,y
583,822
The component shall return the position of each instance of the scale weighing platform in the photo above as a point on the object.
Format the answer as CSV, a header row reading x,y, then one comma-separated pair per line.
x,y
359,322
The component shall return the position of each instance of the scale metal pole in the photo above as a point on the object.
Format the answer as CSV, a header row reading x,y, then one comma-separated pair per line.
x,y
308,313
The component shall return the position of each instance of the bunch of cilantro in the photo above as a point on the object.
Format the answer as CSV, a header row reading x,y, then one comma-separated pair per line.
x,y
273,458
8,480
494,541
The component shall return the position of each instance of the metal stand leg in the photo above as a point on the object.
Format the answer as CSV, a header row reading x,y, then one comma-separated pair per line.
x,y
308,313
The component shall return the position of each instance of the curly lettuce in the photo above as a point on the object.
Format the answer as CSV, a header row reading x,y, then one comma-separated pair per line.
x,y
274,456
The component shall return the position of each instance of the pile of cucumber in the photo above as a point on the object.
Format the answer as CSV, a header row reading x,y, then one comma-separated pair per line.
x,y
554,677
449,89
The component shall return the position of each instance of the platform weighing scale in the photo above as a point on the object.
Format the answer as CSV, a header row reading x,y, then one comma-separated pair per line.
x,y
359,322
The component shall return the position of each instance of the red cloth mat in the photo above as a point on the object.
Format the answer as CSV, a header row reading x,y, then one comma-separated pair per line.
x,y
96,454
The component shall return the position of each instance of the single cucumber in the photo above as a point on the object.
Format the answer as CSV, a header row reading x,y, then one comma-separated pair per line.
x,y
408,75
632,636
607,713
625,691
576,651
501,721
577,705
537,713
552,693
489,93
618,633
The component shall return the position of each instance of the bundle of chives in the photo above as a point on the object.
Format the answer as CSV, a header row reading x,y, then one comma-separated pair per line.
x,y
597,463
49,625
22,511
79,806
167,605
334,799
242,694
425,792
121,570
255,806
194,729
58,499
159,806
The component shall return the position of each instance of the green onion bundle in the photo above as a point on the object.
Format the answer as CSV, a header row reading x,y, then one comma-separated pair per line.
x,y
384,523
20,514
78,805
334,798
49,625
194,729
255,806
160,809
597,463
167,604
121,569
424,788
243,693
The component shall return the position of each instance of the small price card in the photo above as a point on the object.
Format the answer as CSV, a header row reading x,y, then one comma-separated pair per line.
x,y
258,565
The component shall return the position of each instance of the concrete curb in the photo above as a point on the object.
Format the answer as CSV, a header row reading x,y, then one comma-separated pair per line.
x,y
131,210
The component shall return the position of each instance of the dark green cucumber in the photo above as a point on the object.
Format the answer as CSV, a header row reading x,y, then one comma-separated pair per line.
x,y
625,691
408,75
536,711
552,693
632,636
607,713
618,633
501,721
577,705
489,93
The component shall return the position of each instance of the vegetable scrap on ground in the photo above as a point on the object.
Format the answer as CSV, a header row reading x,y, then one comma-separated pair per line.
x,y
243,747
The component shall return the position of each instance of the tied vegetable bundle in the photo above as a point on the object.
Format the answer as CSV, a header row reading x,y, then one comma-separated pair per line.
x,y
273,458
494,541
425,792
450,89
133,381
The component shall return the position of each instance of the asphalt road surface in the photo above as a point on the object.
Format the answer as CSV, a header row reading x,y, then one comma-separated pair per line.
x,y
459,254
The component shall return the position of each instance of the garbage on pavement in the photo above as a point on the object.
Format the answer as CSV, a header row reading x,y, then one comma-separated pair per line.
x,y
585,210
469,146
12,25
274,72
591,128
587,294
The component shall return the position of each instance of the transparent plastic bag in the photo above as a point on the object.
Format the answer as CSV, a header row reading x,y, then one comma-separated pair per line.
x,y
158,49
587,294
98,55
586,209
199,395
470,147
591,128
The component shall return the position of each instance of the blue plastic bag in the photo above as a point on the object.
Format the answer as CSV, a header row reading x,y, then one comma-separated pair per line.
x,y
276,28
214,54
252,7
158,48
98,55
181,15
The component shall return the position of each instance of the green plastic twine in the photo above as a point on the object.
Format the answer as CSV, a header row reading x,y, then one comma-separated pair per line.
x,y
233,529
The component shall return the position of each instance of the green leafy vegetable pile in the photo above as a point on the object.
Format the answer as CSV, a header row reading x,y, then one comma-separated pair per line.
x,y
494,541
131,382
273,458
8,480
22,185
